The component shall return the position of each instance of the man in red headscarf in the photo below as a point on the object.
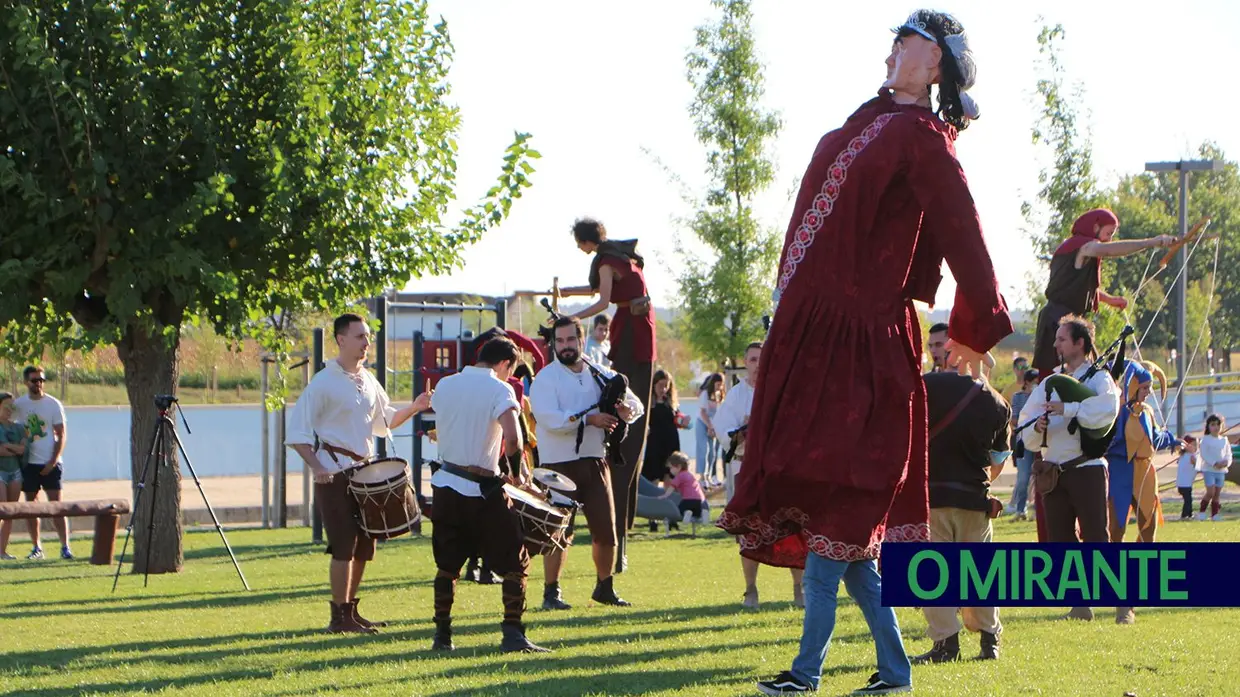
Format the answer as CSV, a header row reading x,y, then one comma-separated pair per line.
x,y
1074,287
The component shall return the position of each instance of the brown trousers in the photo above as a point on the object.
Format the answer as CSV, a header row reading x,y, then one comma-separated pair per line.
x,y
1080,495
624,478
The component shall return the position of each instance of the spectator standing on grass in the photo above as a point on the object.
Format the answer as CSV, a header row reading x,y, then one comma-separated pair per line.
x,y
1021,456
1215,461
1020,364
44,418
12,454
663,438
1186,473
708,445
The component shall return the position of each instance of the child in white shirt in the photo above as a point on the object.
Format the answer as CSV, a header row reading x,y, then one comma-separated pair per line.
x,y
1186,474
1215,461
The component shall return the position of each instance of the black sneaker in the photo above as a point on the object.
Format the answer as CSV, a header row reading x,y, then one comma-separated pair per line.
x,y
784,684
877,686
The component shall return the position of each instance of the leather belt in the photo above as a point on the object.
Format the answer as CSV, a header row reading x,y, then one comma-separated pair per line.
x,y
334,450
1065,466
473,474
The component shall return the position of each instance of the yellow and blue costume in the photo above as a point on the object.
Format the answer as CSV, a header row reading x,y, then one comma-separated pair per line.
x,y
1133,480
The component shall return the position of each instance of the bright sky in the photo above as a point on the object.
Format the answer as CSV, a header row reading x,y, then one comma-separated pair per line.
x,y
598,84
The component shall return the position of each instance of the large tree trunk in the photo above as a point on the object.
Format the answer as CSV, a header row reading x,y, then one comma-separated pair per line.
x,y
151,368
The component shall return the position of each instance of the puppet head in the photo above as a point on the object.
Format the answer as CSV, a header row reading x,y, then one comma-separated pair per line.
x,y
932,48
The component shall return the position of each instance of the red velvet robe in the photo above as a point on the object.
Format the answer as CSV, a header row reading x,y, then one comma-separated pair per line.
x,y
835,456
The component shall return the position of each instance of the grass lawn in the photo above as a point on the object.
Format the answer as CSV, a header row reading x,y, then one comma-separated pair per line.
x,y
198,633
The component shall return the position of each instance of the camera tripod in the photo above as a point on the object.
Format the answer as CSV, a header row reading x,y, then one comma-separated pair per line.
x,y
161,445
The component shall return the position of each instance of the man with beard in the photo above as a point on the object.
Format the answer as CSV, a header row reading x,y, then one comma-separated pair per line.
x,y
571,441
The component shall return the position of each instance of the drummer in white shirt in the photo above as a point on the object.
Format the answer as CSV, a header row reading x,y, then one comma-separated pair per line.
x,y
332,426
476,426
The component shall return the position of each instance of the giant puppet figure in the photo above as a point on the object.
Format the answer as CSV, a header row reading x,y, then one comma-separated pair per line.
x,y
836,447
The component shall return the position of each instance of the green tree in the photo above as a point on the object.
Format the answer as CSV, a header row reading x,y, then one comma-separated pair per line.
x,y
725,295
224,162
1068,187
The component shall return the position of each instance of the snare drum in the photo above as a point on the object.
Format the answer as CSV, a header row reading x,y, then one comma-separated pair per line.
x,y
544,524
386,505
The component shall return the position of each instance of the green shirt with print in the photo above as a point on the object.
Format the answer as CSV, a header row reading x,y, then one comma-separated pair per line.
x,y
11,433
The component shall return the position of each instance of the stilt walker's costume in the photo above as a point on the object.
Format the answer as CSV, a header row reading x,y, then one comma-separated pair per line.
x,y
1133,481
882,204
1069,291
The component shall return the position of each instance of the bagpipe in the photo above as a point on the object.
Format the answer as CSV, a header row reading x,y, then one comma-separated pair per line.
x,y
612,392
1094,441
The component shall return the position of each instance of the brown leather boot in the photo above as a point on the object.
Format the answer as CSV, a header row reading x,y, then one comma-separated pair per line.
x,y
343,621
337,618
362,620
942,651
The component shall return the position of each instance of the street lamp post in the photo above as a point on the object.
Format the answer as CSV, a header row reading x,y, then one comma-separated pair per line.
x,y
1181,286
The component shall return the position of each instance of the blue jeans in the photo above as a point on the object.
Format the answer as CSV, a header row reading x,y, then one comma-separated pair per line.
x,y
821,586
707,451
1020,494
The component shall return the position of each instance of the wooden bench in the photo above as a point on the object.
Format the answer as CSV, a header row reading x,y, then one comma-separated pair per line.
x,y
107,513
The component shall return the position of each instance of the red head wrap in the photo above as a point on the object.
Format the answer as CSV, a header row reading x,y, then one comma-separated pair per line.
x,y
1085,229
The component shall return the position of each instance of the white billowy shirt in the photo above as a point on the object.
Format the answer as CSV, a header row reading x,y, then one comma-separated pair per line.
x,y
1099,411
467,410
559,393
733,413
344,409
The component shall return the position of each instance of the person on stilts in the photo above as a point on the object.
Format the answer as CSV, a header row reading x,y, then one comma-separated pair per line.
x,y
1074,288
883,203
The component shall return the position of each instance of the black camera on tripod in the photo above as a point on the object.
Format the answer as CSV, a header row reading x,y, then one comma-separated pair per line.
x,y
163,402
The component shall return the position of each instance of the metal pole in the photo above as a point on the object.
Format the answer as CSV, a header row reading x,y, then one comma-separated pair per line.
x,y
280,512
266,452
316,358
306,475
1182,292
381,311
415,454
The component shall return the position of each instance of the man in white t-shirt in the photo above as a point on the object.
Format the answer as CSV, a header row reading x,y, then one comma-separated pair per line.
x,y
332,426
476,427
44,417
731,422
